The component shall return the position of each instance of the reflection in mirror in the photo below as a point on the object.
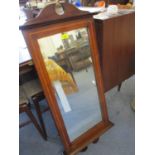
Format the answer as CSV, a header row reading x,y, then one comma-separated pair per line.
x,y
67,58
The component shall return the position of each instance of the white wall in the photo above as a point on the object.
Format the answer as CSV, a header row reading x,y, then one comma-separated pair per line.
x,y
47,46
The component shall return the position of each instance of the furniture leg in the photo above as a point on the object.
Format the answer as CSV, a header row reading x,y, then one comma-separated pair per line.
x,y
34,121
119,87
95,141
84,149
39,114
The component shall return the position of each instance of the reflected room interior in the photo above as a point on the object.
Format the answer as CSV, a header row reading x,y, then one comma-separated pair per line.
x,y
67,57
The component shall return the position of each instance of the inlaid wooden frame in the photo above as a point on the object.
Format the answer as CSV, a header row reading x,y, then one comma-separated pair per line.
x,y
41,29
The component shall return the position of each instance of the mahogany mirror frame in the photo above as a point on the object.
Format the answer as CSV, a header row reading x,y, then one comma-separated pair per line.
x,y
38,28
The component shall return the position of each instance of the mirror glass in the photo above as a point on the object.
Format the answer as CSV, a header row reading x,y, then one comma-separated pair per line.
x,y
68,61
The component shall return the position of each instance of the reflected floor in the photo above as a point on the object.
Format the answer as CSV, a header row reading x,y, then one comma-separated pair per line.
x,y
85,111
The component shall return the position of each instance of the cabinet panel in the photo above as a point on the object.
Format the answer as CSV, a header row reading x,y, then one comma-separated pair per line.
x,y
116,43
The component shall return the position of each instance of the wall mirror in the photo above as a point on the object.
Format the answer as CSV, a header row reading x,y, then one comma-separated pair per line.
x,y
66,58
68,61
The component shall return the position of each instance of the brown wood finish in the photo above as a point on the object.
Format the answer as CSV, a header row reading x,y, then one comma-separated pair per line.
x,y
35,30
48,16
116,42
24,108
28,73
36,99
96,141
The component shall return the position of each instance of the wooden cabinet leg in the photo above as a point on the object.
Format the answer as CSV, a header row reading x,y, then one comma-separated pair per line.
x,y
64,153
119,87
95,141
84,149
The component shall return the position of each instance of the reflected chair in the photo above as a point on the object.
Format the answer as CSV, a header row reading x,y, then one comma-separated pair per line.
x,y
24,108
32,88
